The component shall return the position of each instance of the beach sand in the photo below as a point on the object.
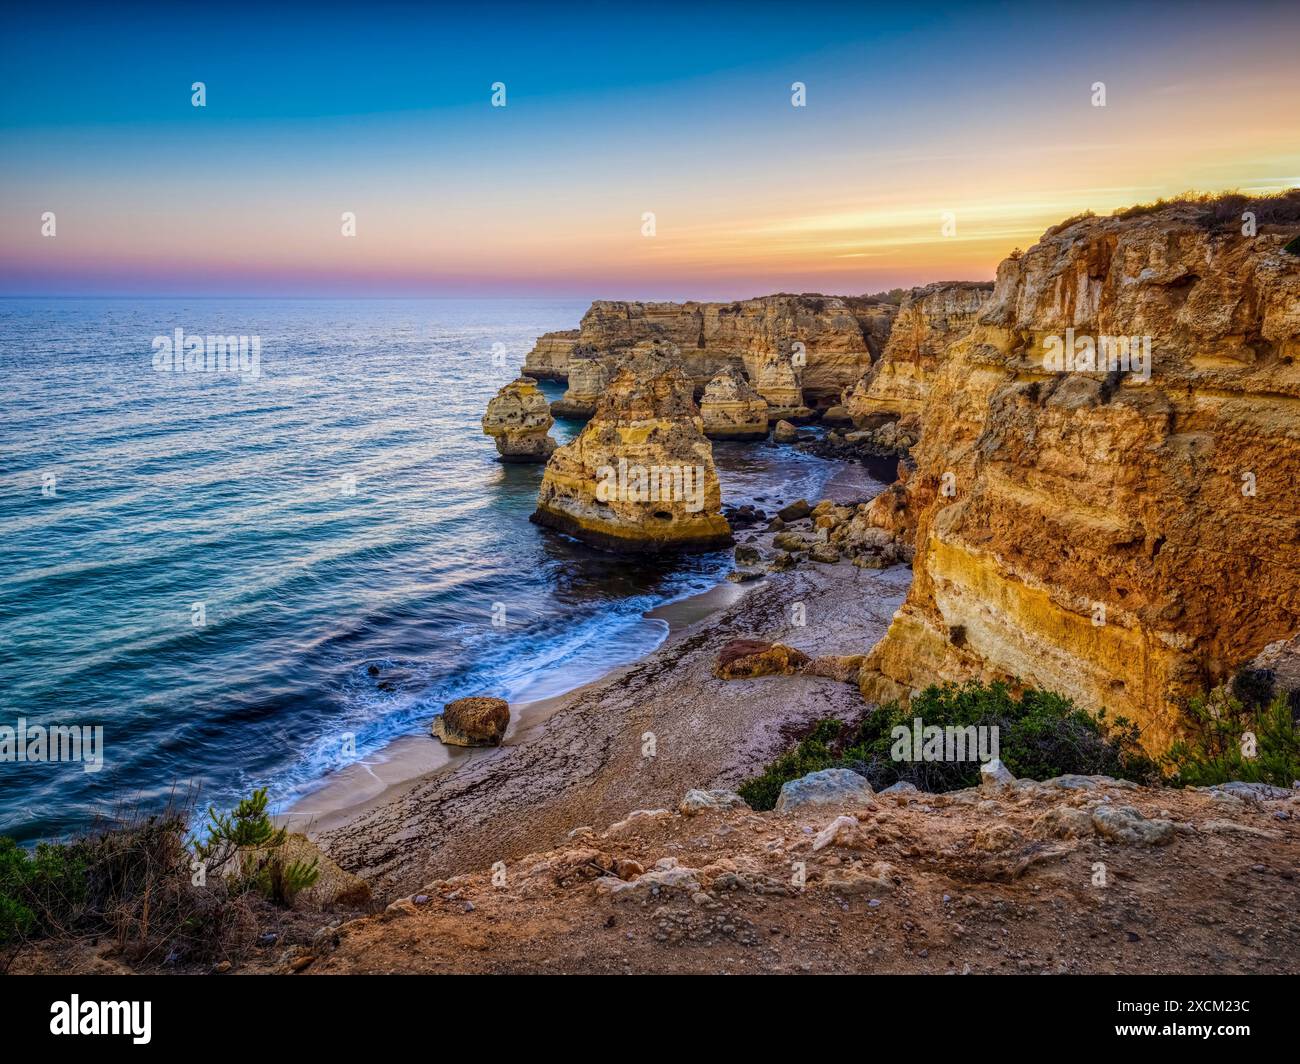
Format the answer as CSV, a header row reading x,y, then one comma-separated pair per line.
x,y
420,810
579,759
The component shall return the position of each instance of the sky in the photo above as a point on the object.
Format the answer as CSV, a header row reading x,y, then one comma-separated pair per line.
x,y
980,116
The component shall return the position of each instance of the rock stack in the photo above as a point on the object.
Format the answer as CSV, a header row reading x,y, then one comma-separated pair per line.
x,y
731,409
588,379
779,382
519,420
640,476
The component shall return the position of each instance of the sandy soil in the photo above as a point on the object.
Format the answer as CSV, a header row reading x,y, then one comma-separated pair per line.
x,y
966,882
580,759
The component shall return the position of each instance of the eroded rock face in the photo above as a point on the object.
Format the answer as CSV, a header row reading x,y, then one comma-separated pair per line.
x,y
549,358
731,409
519,419
929,319
588,379
474,721
1124,541
640,476
839,336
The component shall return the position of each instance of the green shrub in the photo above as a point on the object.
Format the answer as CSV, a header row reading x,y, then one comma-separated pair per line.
x,y
244,846
39,892
1216,746
1040,735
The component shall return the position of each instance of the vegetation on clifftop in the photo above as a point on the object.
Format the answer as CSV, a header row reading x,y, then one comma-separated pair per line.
x,y
1040,734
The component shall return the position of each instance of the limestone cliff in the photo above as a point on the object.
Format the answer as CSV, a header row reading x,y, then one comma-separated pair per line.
x,y
1125,535
549,358
519,419
732,410
930,318
833,338
640,476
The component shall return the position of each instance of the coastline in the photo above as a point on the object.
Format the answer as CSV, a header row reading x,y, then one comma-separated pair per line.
x,y
388,774
577,758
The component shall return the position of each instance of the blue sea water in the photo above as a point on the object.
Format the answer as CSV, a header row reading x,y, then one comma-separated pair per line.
x,y
338,520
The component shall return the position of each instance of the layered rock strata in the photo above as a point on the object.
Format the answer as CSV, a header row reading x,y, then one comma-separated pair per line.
x,y
588,379
732,410
930,318
1126,531
839,337
519,419
640,476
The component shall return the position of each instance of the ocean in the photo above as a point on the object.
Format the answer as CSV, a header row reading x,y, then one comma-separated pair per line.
x,y
256,575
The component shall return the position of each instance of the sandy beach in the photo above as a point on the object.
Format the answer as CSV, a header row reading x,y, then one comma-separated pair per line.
x,y
422,811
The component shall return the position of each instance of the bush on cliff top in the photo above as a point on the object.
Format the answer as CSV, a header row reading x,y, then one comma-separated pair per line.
x,y
1040,735
137,881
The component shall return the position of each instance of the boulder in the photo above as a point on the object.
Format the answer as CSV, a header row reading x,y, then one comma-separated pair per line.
x,y
796,511
474,721
831,786
842,667
699,801
995,776
785,432
1123,823
744,659
519,420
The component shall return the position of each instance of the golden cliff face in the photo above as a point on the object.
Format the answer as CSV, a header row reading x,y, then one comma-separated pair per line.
x,y
640,476
1123,531
831,340
732,410
929,319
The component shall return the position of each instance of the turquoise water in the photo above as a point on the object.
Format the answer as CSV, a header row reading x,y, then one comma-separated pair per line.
x,y
338,517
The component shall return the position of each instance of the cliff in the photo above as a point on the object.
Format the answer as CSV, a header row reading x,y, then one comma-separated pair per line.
x,y
839,336
1126,534
930,318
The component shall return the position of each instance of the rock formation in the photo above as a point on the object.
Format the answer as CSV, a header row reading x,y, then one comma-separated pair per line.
x,y
519,420
778,378
840,337
588,379
731,409
640,476
474,721
1125,534
929,319
549,358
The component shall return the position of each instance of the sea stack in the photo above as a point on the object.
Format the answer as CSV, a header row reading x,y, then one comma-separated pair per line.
x,y
640,477
519,420
588,379
779,382
731,409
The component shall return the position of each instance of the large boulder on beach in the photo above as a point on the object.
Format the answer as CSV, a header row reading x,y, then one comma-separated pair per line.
x,y
731,409
519,419
743,659
640,476
474,721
